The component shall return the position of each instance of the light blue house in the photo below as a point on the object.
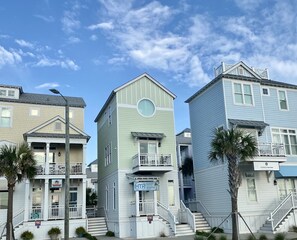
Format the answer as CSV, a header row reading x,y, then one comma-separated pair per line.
x,y
244,97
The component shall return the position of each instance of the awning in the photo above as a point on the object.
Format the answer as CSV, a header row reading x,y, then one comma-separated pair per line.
x,y
286,171
248,123
148,135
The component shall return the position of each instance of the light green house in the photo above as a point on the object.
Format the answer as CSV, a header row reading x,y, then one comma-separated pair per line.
x,y
137,169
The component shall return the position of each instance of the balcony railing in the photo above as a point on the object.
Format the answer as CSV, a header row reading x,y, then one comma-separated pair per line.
x,y
271,149
59,169
151,160
57,212
146,207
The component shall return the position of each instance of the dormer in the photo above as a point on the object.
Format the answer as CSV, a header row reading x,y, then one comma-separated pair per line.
x,y
241,69
10,92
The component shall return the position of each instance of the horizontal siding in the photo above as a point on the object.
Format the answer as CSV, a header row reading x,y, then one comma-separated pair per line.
x,y
207,112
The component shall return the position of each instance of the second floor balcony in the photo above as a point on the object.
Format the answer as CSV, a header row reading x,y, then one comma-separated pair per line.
x,y
59,169
152,162
270,152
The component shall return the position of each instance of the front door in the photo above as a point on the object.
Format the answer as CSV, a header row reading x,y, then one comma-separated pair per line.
x,y
149,151
141,202
285,187
55,203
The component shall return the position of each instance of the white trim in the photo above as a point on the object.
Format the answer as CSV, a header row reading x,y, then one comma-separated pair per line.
x,y
294,129
268,91
11,115
286,96
147,99
244,66
34,109
243,94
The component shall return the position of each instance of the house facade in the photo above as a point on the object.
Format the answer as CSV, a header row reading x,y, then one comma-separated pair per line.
x,y
184,151
39,119
137,168
244,97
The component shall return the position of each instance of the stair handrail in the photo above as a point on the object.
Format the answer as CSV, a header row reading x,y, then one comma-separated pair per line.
x,y
288,199
189,214
170,218
205,209
15,223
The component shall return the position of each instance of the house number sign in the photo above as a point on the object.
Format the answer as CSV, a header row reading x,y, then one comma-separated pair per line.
x,y
145,186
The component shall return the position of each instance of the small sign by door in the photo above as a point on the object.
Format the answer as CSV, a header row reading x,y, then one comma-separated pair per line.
x,y
37,223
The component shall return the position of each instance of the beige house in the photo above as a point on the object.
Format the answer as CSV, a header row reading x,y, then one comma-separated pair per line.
x,y
39,119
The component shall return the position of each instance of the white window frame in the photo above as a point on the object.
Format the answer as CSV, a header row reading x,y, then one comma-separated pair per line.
x,y
281,134
107,154
106,197
249,177
243,94
268,91
31,111
114,197
279,100
10,110
109,116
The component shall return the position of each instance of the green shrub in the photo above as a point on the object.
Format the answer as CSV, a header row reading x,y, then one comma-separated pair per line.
x,y
89,236
198,237
279,236
162,234
80,231
205,234
109,234
27,235
218,230
222,237
263,237
212,237
294,229
250,237
54,231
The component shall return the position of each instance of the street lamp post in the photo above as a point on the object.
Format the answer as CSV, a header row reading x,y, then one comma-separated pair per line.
x,y
67,165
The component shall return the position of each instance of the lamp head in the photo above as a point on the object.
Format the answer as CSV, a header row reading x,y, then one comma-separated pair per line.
x,y
55,91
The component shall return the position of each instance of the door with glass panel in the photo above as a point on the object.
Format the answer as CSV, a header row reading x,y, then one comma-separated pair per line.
x,y
36,210
285,187
73,202
148,153
55,204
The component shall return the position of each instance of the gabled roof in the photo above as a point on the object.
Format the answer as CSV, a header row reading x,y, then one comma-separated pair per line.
x,y
34,132
256,79
112,94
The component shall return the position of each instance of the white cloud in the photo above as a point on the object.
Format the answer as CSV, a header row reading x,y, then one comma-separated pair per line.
x,y
24,43
73,39
70,23
47,85
67,64
45,18
93,37
104,25
9,57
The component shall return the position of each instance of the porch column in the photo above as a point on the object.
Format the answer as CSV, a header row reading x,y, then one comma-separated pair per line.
x,y
45,200
47,158
84,202
137,203
84,158
27,206
155,203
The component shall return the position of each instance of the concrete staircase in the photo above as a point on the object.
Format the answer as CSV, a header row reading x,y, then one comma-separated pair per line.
x,y
267,227
201,223
97,226
183,230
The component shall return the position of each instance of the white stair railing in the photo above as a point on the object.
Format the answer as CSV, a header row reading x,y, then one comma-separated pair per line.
x,y
187,216
166,214
282,210
17,220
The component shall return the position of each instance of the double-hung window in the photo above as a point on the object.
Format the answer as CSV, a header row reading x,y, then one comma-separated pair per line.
x,y
251,186
107,154
243,94
5,117
282,97
288,137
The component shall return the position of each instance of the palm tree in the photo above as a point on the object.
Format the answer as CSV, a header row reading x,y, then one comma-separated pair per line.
x,y
16,164
232,146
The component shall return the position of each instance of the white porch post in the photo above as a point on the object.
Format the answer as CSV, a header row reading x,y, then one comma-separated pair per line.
x,y
155,203
137,203
45,200
84,202
47,158
84,159
27,202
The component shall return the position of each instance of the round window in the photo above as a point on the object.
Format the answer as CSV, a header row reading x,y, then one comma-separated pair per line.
x,y
146,108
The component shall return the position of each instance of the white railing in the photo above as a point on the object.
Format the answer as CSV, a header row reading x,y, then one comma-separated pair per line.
x,y
57,212
271,149
152,160
40,169
187,216
198,206
36,213
17,220
59,168
165,213
282,210
146,207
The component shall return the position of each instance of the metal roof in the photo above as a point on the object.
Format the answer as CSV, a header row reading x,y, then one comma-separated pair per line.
x,y
148,135
56,135
248,123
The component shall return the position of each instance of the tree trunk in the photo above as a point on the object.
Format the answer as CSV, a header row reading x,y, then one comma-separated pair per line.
x,y
9,223
235,226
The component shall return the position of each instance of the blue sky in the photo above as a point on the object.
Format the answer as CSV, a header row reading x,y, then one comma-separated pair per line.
x,y
87,48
